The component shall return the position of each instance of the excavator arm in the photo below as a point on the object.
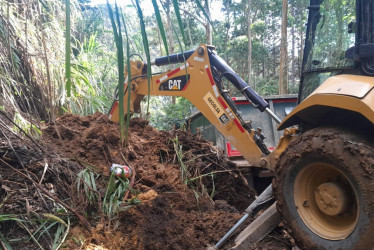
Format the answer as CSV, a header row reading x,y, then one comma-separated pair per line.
x,y
199,80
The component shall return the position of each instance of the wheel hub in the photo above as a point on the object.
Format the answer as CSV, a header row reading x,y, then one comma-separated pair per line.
x,y
330,198
325,201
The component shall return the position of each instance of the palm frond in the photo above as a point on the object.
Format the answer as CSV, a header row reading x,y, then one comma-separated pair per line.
x,y
180,23
160,26
120,64
146,50
128,80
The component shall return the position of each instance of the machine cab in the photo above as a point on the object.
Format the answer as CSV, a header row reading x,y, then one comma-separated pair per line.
x,y
338,66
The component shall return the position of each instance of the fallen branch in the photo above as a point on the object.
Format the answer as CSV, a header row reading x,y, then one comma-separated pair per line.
x,y
214,172
4,114
80,217
28,173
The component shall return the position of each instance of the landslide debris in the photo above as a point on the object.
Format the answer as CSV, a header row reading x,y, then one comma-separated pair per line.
x,y
173,210
184,194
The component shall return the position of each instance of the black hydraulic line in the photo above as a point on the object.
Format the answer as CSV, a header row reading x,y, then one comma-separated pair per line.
x,y
238,82
217,76
135,54
223,68
175,58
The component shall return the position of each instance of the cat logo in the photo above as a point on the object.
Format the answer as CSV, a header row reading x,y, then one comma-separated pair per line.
x,y
175,84
178,83
224,119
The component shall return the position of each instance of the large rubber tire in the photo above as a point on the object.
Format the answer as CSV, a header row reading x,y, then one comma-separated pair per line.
x,y
353,160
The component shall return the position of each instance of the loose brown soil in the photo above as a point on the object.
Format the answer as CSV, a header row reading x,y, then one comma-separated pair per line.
x,y
164,210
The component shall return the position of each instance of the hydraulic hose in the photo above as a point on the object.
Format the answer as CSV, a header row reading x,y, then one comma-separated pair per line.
x,y
238,82
175,58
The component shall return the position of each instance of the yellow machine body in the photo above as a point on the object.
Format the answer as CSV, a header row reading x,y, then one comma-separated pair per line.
x,y
352,93
317,173
193,80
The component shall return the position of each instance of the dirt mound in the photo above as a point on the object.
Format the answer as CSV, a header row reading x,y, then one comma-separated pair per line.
x,y
152,154
36,185
92,139
183,193
176,172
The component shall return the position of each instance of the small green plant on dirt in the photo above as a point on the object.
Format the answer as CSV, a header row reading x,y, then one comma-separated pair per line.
x,y
187,177
87,179
113,199
199,178
49,221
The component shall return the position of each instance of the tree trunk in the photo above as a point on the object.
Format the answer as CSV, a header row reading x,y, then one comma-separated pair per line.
x,y
249,35
274,58
293,48
227,26
283,72
159,40
340,28
170,34
301,51
189,31
209,39
170,30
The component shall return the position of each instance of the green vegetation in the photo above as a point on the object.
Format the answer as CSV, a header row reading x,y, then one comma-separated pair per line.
x,y
114,197
112,202
67,56
165,114
71,56
194,182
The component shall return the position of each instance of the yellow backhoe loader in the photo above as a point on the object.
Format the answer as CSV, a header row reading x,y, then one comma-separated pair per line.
x,y
324,162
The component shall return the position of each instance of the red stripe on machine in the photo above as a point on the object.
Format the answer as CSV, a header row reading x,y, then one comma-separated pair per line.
x,y
210,76
113,107
232,151
185,86
239,125
285,100
222,102
172,73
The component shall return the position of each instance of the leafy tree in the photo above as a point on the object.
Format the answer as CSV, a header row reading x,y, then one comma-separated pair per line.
x,y
164,115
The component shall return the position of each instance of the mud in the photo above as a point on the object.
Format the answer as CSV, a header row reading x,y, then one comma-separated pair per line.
x,y
171,213
185,202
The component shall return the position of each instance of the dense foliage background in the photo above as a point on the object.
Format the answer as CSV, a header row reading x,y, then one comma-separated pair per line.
x,y
32,55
